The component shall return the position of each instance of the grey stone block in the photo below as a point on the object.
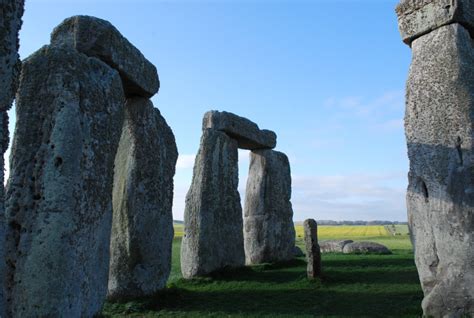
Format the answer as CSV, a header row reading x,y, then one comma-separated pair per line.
x,y
99,38
59,197
213,235
246,132
269,232
142,228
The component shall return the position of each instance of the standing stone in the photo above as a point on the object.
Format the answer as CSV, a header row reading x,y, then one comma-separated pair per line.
x,y
439,131
10,65
142,228
313,253
213,235
269,232
59,196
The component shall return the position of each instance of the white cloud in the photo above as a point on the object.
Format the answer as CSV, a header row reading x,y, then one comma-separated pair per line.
x,y
185,161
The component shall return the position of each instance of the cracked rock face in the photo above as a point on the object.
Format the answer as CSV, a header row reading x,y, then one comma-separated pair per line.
x,y
99,38
59,196
440,198
142,229
213,236
269,232
313,253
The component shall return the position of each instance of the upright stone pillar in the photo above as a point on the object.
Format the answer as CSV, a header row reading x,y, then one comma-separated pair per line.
x,y
313,252
439,132
213,216
11,13
142,228
269,232
59,196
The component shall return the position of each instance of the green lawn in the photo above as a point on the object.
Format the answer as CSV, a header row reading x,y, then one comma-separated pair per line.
x,y
352,286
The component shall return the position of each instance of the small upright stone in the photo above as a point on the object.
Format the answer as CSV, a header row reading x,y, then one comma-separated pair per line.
x,y
99,38
313,253
246,132
59,196
269,232
213,235
142,227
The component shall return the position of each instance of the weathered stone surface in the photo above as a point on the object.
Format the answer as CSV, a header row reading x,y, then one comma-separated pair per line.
x,y
440,198
246,132
313,253
99,38
365,248
59,196
297,252
142,228
269,232
333,246
419,17
10,65
213,235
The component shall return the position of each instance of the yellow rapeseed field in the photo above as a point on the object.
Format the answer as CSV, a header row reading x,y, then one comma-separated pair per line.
x,y
343,231
346,231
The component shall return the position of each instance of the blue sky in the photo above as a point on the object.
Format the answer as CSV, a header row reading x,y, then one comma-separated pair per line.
x,y
327,76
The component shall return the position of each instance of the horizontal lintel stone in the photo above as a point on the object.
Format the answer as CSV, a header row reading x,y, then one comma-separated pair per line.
x,y
247,133
419,17
100,39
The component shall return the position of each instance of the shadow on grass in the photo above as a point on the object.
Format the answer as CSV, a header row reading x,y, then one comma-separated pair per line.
x,y
313,302
352,286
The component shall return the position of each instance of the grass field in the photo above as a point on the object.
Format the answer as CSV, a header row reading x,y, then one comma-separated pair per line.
x,y
351,286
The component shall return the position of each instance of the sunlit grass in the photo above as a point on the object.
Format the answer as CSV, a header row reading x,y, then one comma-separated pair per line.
x,y
351,286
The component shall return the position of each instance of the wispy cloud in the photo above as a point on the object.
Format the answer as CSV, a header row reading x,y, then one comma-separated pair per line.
x,y
353,197
385,108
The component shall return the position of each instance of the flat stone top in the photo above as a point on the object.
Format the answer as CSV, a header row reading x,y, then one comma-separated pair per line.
x,y
409,6
247,133
419,17
100,39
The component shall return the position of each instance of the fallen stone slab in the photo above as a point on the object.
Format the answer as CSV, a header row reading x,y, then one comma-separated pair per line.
x,y
365,248
419,17
333,246
269,232
313,252
142,227
246,132
99,38
69,113
213,225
